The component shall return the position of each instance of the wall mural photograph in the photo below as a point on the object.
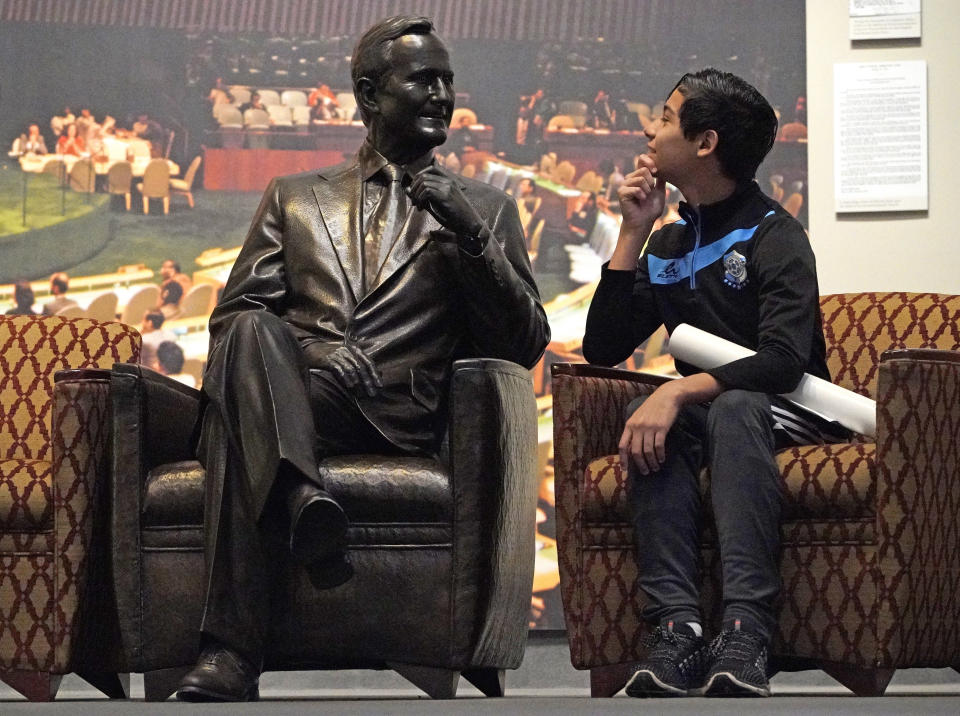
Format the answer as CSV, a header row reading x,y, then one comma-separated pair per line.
x,y
140,136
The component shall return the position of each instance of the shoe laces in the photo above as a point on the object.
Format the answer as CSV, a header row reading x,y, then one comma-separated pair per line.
x,y
667,643
658,635
736,644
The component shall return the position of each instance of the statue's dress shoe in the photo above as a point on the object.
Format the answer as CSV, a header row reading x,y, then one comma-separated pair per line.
x,y
221,674
318,535
330,572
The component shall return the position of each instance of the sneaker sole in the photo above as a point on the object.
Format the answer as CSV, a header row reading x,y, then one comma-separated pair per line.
x,y
645,685
725,684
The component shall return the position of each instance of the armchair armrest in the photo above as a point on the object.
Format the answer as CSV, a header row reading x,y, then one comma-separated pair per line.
x,y
493,447
153,422
918,503
589,405
86,630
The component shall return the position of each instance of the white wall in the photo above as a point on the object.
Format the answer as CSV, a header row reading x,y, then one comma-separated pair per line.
x,y
918,251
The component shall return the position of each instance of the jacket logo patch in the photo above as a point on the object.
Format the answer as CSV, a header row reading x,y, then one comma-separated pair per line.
x,y
735,269
670,271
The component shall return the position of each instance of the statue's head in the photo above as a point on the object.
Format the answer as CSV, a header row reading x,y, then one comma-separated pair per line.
x,y
404,86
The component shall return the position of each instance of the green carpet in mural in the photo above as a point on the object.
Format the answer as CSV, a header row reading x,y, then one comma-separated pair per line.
x,y
46,204
98,236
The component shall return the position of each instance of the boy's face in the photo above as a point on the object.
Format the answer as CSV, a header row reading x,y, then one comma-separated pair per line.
x,y
674,154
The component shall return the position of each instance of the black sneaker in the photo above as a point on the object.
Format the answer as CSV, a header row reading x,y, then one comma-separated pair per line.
x,y
739,665
674,665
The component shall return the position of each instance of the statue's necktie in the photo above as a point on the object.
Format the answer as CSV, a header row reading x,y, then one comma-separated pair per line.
x,y
385,223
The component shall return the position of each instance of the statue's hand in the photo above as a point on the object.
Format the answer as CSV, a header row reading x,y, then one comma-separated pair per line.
x,y
436,191
352,367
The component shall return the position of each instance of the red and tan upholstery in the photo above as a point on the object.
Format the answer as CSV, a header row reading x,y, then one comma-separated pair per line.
x,y
53,467
871,539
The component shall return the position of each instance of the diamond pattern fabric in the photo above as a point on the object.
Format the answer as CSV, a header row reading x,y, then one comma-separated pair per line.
x,y
52,469
32,349
26,497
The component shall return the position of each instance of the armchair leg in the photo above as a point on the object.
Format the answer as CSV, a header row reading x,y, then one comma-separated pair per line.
x,y
490,681
605,681
861,681
116,686
159,684
35,685
438,683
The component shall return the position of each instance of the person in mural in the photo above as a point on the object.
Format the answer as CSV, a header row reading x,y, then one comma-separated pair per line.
x,y
29,143
70,142
379,272
740,267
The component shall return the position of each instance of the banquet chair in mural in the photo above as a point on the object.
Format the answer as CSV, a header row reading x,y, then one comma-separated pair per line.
x,y
590,181
871,536
56,605
57,168
443,548
83,176
463,113
563,173
119,178
140,302
155,184
198,301
184,186
103,307
561,121
256,123
230,121
73,311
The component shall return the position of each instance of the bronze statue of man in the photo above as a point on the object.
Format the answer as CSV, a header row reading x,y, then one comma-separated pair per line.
x,y
380,272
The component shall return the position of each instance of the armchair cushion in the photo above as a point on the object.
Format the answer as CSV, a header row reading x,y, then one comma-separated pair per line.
x,y
821,482
372,488
26,495
174,495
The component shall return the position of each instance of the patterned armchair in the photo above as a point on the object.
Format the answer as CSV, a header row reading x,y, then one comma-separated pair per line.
x,y
871,539
56,613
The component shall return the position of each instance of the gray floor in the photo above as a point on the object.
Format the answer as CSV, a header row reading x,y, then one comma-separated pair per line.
x,y
544,684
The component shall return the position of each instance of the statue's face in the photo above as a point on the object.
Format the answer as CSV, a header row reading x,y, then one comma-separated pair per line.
x,y
415,99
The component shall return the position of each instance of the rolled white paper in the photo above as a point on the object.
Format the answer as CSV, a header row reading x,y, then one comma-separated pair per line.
x,y
705,350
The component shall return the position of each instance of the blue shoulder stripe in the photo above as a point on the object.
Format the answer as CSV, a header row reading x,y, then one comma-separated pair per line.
x,y
667,271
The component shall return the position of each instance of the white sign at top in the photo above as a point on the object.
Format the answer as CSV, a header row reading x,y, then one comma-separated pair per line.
x,y
884,19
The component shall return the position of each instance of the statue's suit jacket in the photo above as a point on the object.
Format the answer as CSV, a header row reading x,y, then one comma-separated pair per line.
x,y
431,303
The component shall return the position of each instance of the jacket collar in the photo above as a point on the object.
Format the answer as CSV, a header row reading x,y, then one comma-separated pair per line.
x,y
372,161
718,213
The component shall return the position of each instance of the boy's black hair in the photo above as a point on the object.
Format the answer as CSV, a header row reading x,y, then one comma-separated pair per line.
x,y
743,120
